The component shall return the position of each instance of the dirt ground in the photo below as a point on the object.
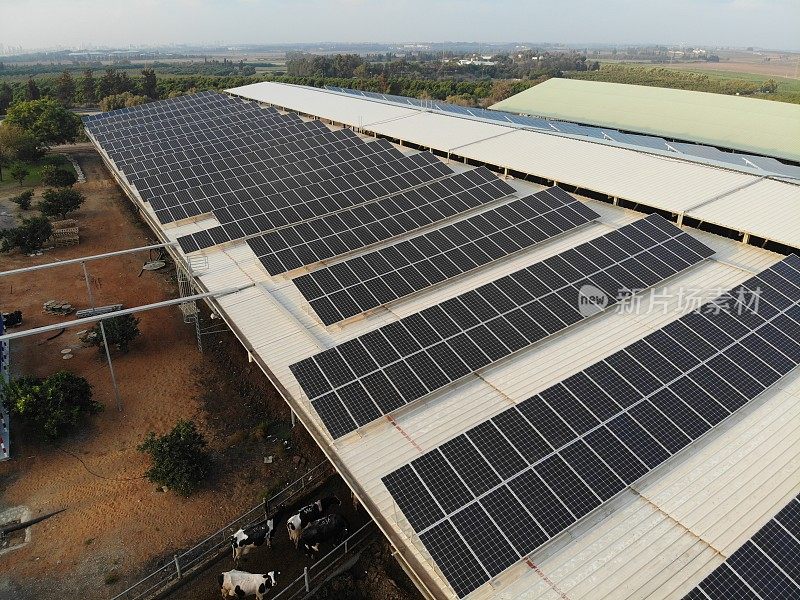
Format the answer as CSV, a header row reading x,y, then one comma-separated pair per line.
x,y
116,525
776,67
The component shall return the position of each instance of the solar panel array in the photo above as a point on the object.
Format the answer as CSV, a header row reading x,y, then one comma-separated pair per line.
x,y
766,567
313,241
496,493
295,206
356,382
206,192
604,133
362,283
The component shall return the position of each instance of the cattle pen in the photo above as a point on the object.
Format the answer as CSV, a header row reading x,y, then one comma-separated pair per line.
x,y
188,564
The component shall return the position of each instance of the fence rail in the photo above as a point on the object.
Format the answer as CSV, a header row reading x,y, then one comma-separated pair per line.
x,y
203,553
326,567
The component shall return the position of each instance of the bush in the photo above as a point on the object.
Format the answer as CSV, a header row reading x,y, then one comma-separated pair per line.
x,y
28,237
60,202
46,119
120,332
123,100
52,406
180,460
23,199
18,171
52,175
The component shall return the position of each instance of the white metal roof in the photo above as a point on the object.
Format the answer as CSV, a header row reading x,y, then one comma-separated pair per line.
x,y
672,184
665,534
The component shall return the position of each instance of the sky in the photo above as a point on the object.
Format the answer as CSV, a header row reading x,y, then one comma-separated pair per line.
x,y
772,24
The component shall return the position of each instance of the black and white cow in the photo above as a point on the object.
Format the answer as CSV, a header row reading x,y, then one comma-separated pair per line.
x,y
332,528
246,539
307,514
240,584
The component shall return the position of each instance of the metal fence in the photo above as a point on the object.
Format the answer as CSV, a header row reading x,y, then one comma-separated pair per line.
x,y
327,566
204,553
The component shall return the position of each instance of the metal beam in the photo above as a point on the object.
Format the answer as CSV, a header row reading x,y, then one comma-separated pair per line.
x,y
124,311
75,261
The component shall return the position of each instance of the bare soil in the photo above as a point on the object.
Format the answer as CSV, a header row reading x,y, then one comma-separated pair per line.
x,y
116,525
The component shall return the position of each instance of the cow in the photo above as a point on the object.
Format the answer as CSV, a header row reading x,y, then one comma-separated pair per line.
x,y
307,514
248,538
331,528
239,584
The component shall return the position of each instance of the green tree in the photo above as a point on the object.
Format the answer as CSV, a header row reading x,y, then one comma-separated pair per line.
x,y
17,144
179,458
52,406
18,171
60,202
149,84
46,119
32,91
6,96
65,89
28,237
770,86
123,100
23,199
53,176
120,332
89,87
108,83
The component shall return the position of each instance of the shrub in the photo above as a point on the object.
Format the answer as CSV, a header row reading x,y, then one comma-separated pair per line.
x,y
18,171
52,175
52,406
120,332
123,100
23,199
180,460
28,237
60,202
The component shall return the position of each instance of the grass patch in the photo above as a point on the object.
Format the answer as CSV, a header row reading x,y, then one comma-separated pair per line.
x,y
34,176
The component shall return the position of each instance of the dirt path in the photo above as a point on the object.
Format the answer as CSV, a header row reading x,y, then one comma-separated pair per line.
x,y
116,524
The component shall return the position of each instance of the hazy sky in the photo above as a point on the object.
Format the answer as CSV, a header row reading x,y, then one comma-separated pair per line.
x,y
49,23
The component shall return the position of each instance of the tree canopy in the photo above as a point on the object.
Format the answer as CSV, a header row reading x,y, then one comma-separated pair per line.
x,y
60,202
180,459
46,119
120,332
30,236
56,177
53,405
123,100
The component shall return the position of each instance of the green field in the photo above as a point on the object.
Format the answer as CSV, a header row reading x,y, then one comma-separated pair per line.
x,y
34,177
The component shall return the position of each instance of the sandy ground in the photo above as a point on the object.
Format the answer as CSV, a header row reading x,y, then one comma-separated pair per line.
x,y
116,525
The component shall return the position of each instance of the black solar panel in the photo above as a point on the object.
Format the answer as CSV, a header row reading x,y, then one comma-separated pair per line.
x,y
290,248
350,191
368,281
766,566
468,332
591,457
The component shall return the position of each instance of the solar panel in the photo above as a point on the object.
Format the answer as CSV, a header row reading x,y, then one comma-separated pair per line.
x,y
341,232
200,190
766,566
357,285
600,430
428,350
286,209
257,146
157,146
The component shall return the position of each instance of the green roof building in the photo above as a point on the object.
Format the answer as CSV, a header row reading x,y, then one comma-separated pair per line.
x,y
745,124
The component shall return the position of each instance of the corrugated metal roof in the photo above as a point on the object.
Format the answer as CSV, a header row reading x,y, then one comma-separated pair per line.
x,y
750,124
648,533
652,179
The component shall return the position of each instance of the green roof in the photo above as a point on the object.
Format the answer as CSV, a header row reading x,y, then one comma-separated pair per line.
x,y
745,124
